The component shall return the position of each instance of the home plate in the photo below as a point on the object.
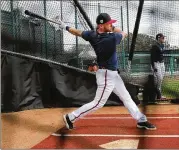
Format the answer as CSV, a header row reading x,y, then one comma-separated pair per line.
x,y
121,144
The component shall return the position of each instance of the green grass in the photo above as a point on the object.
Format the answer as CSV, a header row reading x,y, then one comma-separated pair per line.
x,y
170,87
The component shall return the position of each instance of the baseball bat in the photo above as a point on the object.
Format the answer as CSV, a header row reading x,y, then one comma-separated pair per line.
x,y
27,12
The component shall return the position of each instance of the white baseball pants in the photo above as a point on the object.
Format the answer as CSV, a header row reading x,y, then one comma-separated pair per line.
x,y
107,82
159,75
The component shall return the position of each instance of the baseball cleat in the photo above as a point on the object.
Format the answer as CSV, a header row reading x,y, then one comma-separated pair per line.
x,y
67,121
147,125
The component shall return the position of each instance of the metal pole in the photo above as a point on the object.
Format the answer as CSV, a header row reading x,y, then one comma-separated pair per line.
x,y
123,51
135,32
13,24
62,42
76,26
127,4
171,65
45,14
84,14
55,50
18,21
41,40
99,8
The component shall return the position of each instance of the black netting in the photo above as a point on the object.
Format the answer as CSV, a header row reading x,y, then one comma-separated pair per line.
x,y
23,34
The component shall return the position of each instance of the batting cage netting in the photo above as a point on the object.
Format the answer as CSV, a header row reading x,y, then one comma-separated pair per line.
x,y
41,40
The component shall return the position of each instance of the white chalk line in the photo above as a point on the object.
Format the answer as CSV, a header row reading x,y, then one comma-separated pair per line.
x,y
119,135
116,135
86,118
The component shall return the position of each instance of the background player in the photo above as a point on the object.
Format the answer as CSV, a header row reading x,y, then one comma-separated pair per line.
x,y
157,63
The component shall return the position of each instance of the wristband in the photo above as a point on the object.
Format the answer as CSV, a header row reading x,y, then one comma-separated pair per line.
x,y
67,28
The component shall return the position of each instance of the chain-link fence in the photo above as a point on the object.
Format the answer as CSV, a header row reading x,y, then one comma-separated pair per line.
x,y
24,34
44,39
28,35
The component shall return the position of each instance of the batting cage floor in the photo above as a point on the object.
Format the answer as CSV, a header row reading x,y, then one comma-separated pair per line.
x,y
108,128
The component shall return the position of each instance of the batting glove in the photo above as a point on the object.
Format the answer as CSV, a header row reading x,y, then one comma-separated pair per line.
x,y
62,25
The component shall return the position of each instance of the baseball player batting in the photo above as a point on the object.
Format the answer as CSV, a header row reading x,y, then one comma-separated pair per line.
x,y
157,63
104,41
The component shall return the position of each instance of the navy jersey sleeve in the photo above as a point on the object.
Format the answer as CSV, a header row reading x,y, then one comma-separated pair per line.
x,y
86,35
118,37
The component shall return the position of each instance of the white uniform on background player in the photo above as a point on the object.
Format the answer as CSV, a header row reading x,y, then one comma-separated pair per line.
x,y
104,41
157,63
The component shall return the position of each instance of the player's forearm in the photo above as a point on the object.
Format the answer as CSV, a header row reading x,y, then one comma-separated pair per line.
x,y
118,30
74,31
124,34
